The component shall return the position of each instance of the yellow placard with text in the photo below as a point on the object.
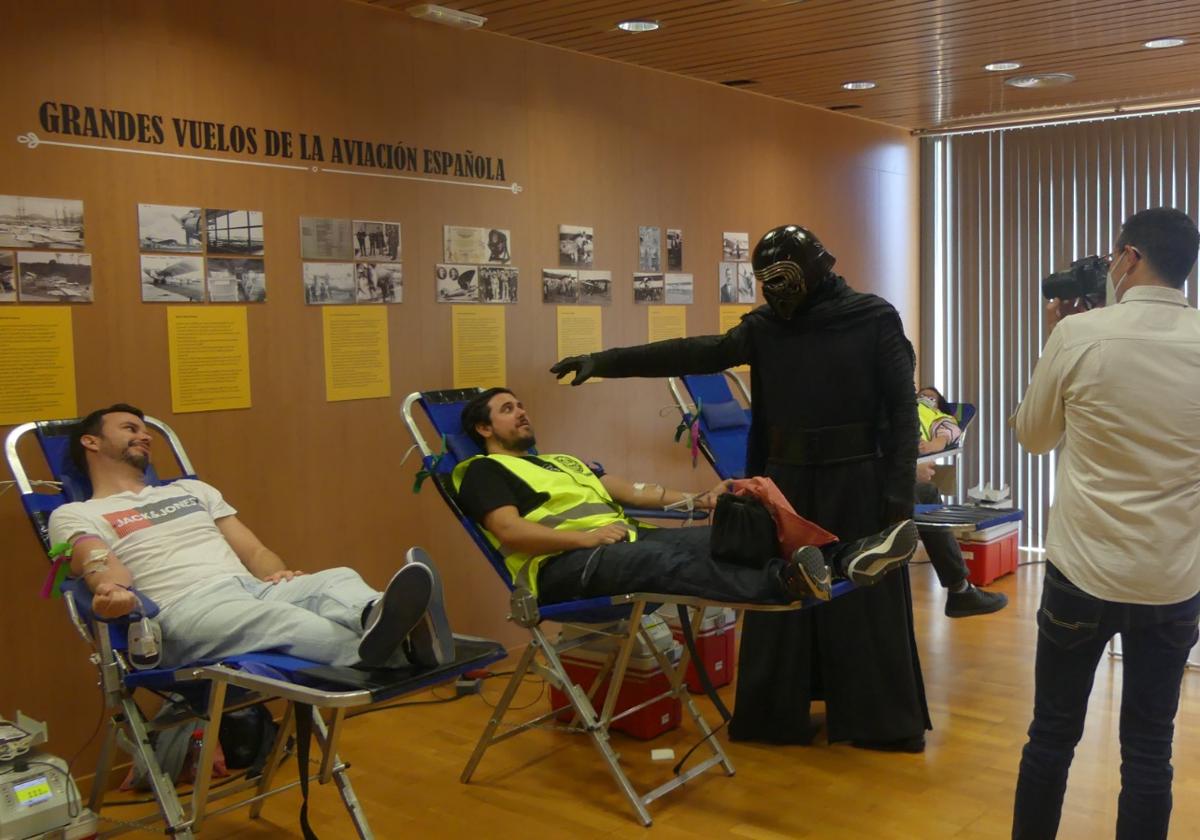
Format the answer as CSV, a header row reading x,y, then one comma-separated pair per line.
x,y
579,333
480,346
37,364
730,316
210,358
357,365
666,322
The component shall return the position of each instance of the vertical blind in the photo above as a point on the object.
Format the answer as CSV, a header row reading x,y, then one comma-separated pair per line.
x,y
1002,209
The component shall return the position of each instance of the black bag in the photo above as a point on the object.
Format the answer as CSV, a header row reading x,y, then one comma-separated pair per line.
x,y
743,532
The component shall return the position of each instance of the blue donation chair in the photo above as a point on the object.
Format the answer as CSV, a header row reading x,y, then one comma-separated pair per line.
x,y
616,618
213,688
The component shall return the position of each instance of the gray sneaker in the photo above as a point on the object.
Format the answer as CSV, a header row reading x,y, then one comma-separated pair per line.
x,y
866,561
430,643
393,616
807,576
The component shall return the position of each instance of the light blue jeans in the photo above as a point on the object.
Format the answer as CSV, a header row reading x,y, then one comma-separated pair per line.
x,y
317,617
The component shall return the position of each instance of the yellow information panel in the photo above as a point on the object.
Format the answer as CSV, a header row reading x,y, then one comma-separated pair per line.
x,y
357,365
37,364
667,322
210,358
578,333
479,346
730,316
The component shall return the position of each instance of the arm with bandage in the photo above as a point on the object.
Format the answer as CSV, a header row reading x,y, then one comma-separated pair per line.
x,y
640,494
109,579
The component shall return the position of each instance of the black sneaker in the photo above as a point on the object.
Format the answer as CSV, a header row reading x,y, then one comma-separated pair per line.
x,y
866,561
806,575
394,615
431,643
973,601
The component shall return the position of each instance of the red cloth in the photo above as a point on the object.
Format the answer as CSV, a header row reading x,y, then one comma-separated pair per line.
x,y
794,530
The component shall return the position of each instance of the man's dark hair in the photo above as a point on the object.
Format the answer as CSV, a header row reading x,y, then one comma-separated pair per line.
x,y
91,425
1167,238
477,411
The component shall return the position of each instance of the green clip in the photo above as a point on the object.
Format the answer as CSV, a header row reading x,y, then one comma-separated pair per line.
x,y
686,424
426,472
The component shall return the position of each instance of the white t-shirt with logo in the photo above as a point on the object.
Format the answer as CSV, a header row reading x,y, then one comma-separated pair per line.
x,y
167,536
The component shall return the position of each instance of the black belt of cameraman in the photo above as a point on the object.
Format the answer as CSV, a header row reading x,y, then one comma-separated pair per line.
x,y
823,445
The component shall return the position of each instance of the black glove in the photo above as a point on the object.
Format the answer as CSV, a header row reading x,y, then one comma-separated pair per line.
x,y
582,366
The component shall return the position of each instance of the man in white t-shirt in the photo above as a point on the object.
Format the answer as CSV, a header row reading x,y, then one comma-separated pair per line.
x,y
1119,388
220,591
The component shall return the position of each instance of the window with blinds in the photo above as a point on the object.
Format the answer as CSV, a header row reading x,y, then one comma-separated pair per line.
x,y
1002,209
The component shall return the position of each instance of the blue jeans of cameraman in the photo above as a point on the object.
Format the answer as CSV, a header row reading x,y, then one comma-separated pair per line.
x,y
1073,630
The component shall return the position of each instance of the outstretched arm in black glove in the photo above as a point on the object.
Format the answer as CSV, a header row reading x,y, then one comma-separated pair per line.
x,y
673,357
582,366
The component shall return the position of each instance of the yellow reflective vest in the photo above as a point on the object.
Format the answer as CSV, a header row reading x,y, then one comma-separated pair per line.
x,y
928,416
575,501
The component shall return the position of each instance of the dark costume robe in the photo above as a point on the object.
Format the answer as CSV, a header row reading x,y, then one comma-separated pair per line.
x,y
835,425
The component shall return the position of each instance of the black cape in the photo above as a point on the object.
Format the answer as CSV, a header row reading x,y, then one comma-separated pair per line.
x,y
842,359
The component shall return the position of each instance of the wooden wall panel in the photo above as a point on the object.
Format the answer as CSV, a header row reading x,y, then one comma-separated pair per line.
x,y
593,142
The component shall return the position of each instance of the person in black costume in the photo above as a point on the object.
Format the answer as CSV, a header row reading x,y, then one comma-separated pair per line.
x,y
834,424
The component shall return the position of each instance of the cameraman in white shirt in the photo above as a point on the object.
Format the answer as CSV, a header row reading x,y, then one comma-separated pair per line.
x,y
1119,388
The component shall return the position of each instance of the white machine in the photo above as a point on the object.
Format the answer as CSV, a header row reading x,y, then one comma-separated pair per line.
x,y
37,793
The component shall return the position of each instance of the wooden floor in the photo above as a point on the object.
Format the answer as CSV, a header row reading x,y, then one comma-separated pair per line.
x,y
979,678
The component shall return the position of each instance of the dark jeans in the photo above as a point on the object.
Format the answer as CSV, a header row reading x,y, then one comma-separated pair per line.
x,y
944,553
669,561
1073,629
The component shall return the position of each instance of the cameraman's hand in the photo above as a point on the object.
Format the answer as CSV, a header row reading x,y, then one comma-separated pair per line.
x,y
582,366
1057,309
925,471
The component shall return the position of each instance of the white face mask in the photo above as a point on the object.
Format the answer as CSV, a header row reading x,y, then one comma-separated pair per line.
x,y
928,401
1111,290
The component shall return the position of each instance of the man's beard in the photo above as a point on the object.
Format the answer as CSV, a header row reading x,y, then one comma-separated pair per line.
x,y
136,458
521,444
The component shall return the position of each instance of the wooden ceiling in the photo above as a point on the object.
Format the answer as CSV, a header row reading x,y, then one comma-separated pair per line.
x,y
926,56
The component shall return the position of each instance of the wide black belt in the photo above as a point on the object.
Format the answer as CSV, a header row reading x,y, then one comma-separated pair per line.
x,y
824,444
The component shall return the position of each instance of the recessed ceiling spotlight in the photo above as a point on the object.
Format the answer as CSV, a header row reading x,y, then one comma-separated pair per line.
x,y
1040,80
864,85
638,25
1164,43
1002,66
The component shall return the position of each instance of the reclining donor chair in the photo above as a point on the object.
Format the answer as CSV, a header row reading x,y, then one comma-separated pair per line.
x,y
211,688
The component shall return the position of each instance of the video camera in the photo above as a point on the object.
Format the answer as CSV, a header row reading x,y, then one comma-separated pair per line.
x,y
1086,278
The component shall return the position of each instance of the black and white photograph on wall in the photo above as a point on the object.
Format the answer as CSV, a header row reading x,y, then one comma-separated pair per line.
x,y
745,283
649,249
476,244
727,282
233,280
677,288
575,246
168,227
325,239
8,277
234,232
560,286
379,282
595,287
376,241
647,288
172,279
48,277
735,246
674,249
497,284
30,222
457,283
329,282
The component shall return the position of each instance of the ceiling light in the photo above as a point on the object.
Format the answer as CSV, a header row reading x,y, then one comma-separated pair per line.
x,y
1002,66
449,17
864,85
1040,80
1164,43
638,25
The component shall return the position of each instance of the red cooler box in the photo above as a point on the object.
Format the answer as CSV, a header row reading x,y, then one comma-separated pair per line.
x,y
643,679
991,553
714,644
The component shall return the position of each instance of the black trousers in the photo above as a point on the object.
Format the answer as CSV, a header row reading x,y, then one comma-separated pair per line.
x,y
669,561
944,554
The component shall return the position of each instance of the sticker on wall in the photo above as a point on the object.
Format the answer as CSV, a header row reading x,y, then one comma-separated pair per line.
x,y
168,227
575,246
381,282
232,280
33,222
476,245
329,282
674,249
8,277
234,232
376,241
678,288
497,284
325,239
172,279
648,288
735,246
559,286
457,283
51,277
649,249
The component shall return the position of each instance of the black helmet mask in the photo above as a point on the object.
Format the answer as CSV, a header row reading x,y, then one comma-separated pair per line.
x,y
790,263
